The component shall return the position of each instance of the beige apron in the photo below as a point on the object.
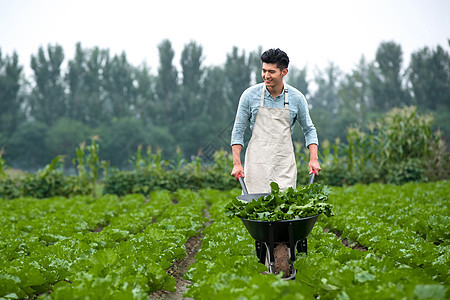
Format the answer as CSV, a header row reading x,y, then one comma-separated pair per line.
x,y
270,154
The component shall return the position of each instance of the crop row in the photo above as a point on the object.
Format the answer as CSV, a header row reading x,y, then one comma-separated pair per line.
x,y
409,223
227,267
107,248
121,248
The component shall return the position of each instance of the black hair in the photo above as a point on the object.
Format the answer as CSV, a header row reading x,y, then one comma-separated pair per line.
x,y
275,56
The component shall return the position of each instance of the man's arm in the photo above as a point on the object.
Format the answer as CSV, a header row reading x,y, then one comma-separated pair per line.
x,y
314,166
237,166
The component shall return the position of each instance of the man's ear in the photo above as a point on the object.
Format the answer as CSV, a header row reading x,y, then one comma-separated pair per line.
x,y
284,72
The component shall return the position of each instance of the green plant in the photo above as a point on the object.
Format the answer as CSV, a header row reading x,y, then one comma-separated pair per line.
x,y
279,205
87,158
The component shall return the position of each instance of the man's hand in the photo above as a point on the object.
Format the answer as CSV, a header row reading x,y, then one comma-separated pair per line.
x,y
313,165
237,166
237,169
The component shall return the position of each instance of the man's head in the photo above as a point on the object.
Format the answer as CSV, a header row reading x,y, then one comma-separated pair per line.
x,y
274,68
276,56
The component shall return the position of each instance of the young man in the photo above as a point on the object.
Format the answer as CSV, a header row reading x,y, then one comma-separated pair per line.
x,y
271,108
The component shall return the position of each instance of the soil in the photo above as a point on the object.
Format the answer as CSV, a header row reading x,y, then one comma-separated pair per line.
x,y
180,267
345,241
281,254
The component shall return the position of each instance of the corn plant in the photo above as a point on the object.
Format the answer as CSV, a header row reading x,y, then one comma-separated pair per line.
x,y
152,162
87,158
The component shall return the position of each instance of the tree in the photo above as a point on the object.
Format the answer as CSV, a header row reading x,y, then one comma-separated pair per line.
x,y
146,108
166,84
191,103
354,91
325,102
85,79
26,148
64,136
237,74
120,140
48,99
297,78
118,87
386,81
10,100
429,75
255,65
215,104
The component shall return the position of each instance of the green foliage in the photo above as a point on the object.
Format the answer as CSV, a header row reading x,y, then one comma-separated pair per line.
x,y
47,182
88,180
397,262
386,79
104,94
151,172
64,136
429,75
289,204
124,248
408,223
11,113
27,146
48,98
396,148
84,247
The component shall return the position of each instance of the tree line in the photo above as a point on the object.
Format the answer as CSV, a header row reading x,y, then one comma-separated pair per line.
x,y
191,110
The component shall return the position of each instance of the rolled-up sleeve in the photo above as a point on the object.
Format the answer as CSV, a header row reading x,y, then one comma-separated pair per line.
x,y
304,119
241,121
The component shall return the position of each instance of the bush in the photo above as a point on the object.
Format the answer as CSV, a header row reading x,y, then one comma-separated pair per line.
x,y
397,148
9,189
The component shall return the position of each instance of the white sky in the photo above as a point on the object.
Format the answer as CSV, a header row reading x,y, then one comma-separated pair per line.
x,y
312,33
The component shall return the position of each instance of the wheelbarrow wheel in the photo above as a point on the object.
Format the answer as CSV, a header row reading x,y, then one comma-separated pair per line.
x,y
281,262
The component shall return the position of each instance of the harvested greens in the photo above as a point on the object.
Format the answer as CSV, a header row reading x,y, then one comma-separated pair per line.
x,y
279,205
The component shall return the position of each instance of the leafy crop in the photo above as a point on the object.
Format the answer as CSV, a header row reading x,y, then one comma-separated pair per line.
x,y
227,267
121,247
288,204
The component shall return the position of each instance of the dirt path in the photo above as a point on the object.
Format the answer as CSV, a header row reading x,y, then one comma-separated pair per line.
x,y
180,267
345,241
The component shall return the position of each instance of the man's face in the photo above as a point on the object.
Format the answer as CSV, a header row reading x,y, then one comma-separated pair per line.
x,y
272,75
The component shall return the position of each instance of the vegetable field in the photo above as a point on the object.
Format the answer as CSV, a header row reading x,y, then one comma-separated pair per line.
x,y
384,242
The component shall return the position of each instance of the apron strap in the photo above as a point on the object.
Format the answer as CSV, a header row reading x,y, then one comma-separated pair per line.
x,y
286,96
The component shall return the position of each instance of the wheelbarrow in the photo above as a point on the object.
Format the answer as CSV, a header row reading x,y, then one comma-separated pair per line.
x,y
269,234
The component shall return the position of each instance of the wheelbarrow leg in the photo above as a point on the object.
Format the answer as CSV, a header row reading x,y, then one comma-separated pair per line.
x,y
271,248
302,246
261,251
292,243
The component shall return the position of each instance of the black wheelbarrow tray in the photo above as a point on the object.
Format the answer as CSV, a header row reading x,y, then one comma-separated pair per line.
x,y
268,234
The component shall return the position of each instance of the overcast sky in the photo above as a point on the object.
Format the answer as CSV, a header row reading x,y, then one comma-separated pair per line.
x,y
312,33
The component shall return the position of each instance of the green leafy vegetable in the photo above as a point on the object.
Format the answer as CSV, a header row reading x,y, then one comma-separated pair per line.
x,y
279,205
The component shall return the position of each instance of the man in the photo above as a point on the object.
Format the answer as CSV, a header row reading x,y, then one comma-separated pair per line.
x,y
271,108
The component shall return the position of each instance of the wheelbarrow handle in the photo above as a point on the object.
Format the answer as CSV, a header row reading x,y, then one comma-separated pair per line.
x,y
311,177
241,181
244,187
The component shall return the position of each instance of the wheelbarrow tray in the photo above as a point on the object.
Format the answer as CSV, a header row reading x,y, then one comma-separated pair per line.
x,y
299,228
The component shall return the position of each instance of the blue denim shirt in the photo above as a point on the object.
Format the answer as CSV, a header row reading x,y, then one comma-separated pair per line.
x,y
249,105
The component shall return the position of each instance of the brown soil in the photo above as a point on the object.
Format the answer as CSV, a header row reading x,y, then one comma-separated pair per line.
x,y
180,267
281,254
345,241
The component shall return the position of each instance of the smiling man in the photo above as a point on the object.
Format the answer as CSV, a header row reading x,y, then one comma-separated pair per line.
x,y
271,109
